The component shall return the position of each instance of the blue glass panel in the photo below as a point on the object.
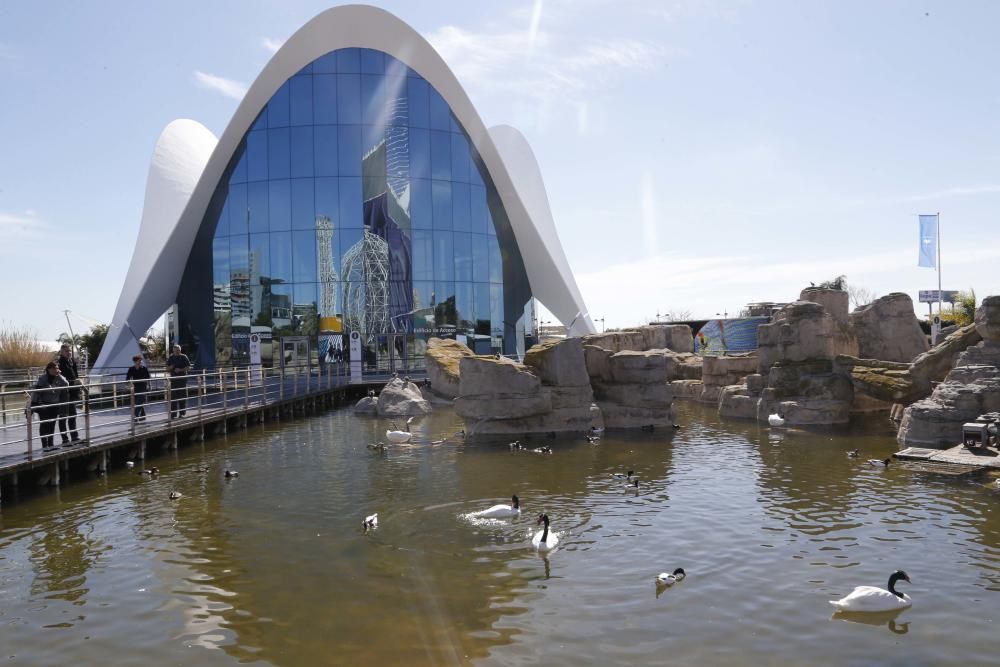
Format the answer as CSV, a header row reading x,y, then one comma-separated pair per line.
x,y
281,257
349,60
444,295
257,206
349,99
496,262
349,238
277,108
490,227
328,245
480,258
350,203
372,62
420,153
459,158
222,223
220,261
301,112
308,69
349,150
420,204
475,177
325,64
260,122
304,256
423,290
441,204
479,214
257,156
463,256
259,256
423,255
239,253
441,156
455,127
373,102
303,203
418,103
325,146
371,136
324,99
302,152
278,153
237,204
461,221
440,114
464,306
496,309
280,205
444,256
239,174
304,309
481,304
328,200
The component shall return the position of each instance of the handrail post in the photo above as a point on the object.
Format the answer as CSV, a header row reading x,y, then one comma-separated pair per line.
x,y
246,391
131,406
222,384
86,413
170,407
308,376
28,418
281,384
201,392
114,395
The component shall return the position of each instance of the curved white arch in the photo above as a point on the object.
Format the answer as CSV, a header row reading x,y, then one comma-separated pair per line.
x,y
360,26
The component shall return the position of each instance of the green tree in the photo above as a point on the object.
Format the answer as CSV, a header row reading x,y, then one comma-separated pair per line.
x,y
92,341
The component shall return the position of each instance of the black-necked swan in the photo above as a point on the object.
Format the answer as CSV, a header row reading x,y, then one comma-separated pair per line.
x,y
175,495
543,539
871,598
370,522
877,463
501,511
665,579
399,437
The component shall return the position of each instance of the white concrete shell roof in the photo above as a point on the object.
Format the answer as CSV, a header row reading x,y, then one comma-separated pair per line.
x,y
188,164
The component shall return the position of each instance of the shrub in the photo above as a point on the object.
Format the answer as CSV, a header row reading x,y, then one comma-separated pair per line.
x,y
19,348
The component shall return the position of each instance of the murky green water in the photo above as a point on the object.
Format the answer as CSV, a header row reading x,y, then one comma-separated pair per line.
x,y
273,567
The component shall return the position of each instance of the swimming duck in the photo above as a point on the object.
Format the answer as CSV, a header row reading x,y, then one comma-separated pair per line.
x,y
623,475
873,599
632,485
460,434
596,431
130,464
376,446
370,522
501,511
515,446
775,419
231,473
853,454
174,495
543,539
877,463
593,439
669,579
545,449
397,436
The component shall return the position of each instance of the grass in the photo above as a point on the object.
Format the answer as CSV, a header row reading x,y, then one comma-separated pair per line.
x,y
19,348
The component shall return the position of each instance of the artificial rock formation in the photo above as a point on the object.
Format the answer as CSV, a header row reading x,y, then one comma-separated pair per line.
x,y
630,387
673,337
887,329
720,372
442,357
549,393
837,303
970,389
400,398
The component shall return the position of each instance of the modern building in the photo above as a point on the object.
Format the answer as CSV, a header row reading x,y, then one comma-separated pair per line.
x,y
354,189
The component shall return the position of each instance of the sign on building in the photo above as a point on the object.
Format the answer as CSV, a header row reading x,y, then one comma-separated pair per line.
x,y
355,356
931,296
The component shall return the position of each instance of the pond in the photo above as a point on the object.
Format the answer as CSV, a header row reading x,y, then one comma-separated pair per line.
x,y
273,567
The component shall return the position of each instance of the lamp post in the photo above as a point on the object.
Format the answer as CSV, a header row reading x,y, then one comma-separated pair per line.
x,y
602,324
724,314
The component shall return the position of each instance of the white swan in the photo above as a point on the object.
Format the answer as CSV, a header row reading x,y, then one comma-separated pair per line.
x,y
399,437
501,511
879,463
543,539
370,521
775,419
665,579
870,598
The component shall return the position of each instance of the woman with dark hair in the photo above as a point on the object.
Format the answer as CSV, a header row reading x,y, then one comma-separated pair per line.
x,y
138,375
49,392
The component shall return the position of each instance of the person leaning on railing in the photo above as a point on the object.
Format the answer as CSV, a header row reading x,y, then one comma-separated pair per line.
x,y
67,416
138,375
50,392
178,365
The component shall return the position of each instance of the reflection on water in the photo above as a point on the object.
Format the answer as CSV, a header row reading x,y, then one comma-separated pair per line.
x,y
273,567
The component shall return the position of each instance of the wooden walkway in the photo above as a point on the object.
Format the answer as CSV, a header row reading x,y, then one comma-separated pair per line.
x,y
957,457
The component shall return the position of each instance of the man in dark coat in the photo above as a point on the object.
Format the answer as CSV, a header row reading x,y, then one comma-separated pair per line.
x,y
67,416
48,393
178,366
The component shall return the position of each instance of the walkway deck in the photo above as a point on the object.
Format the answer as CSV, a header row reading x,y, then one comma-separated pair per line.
x,y
980,458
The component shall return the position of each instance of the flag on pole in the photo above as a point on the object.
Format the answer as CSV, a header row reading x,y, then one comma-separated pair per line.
x,y
928,241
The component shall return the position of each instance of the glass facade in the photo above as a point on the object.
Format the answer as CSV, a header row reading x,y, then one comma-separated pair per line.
x,y
355,202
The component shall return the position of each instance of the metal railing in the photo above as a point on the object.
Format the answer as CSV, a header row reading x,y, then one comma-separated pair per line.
x,y
105,408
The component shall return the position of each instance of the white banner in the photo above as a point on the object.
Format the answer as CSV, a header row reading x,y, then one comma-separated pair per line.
x,y
355,356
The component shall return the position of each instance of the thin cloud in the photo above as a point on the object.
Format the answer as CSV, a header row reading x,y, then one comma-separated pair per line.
x,y
271,45
22,233
218,84
961,191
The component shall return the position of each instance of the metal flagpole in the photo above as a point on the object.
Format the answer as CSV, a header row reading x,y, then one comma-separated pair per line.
x,y
940,313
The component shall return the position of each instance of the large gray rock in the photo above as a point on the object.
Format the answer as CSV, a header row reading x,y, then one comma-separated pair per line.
x,y
722,371
618,341
887,329
631,367
618,416
400,398
988,319
801,330
443,358
654,396
736,403
487,376
835,301
683,366
366,406
686,389
559,362
499,407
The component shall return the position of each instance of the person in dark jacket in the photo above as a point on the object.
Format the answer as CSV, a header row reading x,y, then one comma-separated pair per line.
x,y
67,415
50,391
138,375
178,366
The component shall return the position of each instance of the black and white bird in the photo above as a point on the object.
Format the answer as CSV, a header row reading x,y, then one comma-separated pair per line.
x,y
874,599
544,449
853,454
623,475
501,511
670,578
879,463
543,540
231,473
370,522
515,446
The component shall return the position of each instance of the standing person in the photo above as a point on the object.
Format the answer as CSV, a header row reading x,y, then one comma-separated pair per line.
x,y
178,365
49,392
67,415
139,376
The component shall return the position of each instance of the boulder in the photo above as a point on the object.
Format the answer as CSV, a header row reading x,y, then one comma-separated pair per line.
x,y
443,357
801,330
366,406
621,416
988,319
887,329
597,361
736,403
722,371
559,362
655,396
617,341
683,366
400,398
686,389
630,367
499,407
834,301
488,376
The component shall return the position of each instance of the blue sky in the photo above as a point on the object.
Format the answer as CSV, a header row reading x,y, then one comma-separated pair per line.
x,y
697,155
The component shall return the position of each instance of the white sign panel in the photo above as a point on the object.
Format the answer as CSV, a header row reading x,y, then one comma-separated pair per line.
x,y
256,371
355,356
